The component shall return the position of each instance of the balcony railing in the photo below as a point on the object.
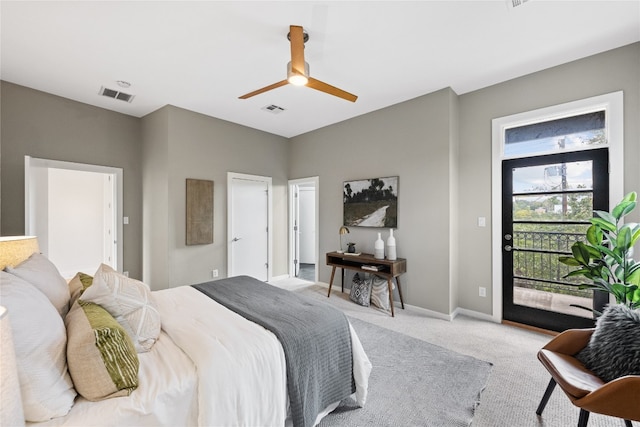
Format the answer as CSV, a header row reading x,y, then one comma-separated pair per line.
x,y
536,265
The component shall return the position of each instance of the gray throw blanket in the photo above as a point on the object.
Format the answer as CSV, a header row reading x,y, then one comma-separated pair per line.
x,y
315,337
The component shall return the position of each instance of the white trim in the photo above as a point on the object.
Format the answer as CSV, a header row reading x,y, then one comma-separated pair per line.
x,y
612,103
268,180
475,314
293,182
116,174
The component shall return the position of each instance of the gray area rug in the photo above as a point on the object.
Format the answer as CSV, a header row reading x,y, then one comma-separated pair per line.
x,y
413,383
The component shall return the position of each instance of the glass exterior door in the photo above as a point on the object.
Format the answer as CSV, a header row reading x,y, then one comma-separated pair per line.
x,y
547,203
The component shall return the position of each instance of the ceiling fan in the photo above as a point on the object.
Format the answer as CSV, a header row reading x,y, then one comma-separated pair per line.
x,y
298,70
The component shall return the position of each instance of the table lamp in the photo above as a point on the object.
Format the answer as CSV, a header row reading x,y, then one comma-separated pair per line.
x,y
15,249
343,230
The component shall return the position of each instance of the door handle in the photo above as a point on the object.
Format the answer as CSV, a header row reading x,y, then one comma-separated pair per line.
x,y
235,239
508,248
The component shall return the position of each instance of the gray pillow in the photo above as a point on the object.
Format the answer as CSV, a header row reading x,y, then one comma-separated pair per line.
x,y
380,292
360,290
614,348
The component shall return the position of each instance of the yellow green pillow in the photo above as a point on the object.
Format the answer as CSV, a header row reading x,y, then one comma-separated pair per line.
x,y
102,359
78,285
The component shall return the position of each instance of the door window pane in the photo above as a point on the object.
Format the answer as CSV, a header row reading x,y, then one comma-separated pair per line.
x,y
553,136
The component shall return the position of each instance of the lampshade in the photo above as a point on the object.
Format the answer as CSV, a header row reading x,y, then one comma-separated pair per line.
x,y
15,249
11,413
343,230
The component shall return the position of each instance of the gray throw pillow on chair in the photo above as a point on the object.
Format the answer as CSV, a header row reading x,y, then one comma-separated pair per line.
x,y
614,348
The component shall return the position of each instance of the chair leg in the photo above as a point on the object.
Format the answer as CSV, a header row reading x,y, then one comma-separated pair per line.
x,y
584,418
547,395
627,423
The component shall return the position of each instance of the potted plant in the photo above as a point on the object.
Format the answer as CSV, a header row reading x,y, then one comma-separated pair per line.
x,y
606,257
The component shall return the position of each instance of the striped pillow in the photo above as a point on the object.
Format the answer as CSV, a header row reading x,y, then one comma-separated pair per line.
x,y
102,359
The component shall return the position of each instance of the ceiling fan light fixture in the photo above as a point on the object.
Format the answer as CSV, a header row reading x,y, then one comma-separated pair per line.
x,y
295,78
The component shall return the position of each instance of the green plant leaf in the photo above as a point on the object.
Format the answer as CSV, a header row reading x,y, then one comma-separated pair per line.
x,y
633,266
614,257
635,233
623,208
580,253
569,260
594,235
604,224
606,216
623,240
633,278
582,272
619,291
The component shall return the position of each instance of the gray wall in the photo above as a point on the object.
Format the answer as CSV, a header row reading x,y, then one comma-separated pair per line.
x,y
611,71
412,140
179,144
41,125
438,144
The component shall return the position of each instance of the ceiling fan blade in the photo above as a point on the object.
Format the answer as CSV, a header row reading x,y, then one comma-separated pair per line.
x,y
331,90
264,89
296,35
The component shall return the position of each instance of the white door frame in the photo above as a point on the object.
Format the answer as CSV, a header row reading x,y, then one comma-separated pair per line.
x,y
292,184
267,180
613,104
117,188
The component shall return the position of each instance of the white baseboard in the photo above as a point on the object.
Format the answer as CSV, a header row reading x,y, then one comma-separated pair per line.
x,y
437,314
281,277
475,314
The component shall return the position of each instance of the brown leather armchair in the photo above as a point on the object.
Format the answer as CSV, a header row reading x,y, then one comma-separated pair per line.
x,y
618,398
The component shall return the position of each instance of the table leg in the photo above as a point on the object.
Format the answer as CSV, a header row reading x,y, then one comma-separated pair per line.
x,y
400,291
390,285
333,272
342,269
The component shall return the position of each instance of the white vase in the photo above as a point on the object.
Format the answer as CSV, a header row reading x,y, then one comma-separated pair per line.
x,y
391,246
378,248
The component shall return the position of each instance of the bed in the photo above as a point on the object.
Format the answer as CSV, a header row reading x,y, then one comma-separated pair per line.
x,y
199,362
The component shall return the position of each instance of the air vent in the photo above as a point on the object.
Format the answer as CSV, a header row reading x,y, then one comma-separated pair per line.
x,y
116,94
512,4
273,109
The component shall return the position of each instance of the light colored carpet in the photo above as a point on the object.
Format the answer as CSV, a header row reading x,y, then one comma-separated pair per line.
x,y
517,380
406,373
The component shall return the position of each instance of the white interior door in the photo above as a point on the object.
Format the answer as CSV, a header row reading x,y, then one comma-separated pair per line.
x,y
248,227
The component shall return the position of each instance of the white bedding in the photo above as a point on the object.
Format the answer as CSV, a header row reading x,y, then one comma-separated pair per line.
x,y
209,367
166,395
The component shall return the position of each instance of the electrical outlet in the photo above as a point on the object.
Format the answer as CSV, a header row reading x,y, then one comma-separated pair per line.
x,y
214,273
482,291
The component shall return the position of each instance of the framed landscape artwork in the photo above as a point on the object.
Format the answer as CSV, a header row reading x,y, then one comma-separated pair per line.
x,y
371,202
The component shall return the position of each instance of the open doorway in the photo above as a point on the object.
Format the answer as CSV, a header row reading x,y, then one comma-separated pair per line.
x,y
75,210
303,229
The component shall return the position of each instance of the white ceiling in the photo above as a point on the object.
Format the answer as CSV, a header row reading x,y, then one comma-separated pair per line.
x,y
202,55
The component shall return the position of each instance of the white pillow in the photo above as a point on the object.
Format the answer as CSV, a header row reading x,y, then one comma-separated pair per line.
x,y
40,340
130,302
44,275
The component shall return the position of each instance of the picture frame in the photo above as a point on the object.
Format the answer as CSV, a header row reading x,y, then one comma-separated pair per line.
x,y
199,212
371,202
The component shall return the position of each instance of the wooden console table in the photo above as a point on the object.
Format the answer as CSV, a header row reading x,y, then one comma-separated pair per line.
x,y
388,269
